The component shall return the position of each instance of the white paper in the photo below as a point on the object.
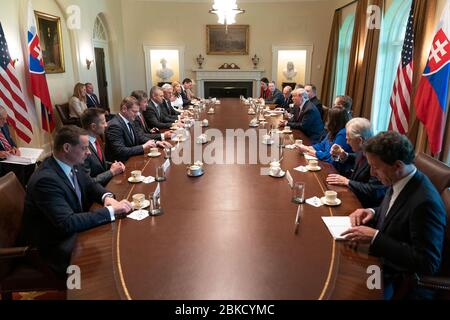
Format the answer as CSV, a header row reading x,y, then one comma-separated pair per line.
x,y
308,157
27,156
301,169
337,226
149,180
315,202
289,179
139,215
166,165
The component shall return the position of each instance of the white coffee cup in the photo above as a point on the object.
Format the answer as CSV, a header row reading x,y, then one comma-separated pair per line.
x,y
136,175
266,138
275,171
275,164
154,151
313,163
298,142
138,200
331,196
287,128
205,122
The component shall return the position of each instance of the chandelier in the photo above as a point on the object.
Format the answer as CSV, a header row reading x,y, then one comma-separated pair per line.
x,y
226,10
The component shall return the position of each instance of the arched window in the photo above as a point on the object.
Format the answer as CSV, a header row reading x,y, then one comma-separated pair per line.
x,y
343,59
392,35
100,33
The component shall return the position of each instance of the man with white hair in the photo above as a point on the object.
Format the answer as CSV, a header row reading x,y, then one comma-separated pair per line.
x,y
369,190
287,97
167,107
306,117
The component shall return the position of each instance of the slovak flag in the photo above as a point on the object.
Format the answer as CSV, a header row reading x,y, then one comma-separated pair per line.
x,y
38,80
431,96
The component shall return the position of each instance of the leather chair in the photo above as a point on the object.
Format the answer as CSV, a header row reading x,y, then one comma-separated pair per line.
x,y
21,270
63,112
439,174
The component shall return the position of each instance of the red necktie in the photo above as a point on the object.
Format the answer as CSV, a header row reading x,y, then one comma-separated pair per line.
x,y
5,142
99,150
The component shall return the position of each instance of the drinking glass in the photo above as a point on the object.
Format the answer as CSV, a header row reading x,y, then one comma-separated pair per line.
x,y
298,193
160,174
155,204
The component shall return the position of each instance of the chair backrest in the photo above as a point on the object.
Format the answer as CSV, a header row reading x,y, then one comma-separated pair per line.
x,y
64,115
12,197
437,171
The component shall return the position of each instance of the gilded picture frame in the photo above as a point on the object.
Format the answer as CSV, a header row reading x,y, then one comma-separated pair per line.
x,y
230,40
50,36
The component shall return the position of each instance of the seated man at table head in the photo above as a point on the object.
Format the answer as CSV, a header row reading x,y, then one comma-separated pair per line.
x,y
265,92
305,117
311,90
58,201
141,125
93,121
186,85
407,229
123,141
154,115
275,95
369,190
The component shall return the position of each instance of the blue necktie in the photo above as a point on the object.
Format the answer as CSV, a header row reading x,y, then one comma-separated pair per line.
x,y
77,187
384,207
131,132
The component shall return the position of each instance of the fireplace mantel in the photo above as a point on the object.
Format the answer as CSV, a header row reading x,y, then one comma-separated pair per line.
x,y
233,75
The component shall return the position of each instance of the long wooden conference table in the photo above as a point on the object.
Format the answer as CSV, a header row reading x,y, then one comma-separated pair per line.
x,y
228,235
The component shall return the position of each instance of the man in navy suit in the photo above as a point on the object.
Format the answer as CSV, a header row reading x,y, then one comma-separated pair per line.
x,y
154,116
94,122
58,201
167,107
275,95
8,147
311,90
186,86
407,229
306,117
123,141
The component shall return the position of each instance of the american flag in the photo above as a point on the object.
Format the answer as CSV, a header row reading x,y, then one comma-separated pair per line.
x,y
11,96
401,96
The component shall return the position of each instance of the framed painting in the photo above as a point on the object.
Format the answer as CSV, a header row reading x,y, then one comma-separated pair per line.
x,y
230,40
49,30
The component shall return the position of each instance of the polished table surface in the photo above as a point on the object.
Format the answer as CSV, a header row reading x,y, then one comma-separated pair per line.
x,y
229,234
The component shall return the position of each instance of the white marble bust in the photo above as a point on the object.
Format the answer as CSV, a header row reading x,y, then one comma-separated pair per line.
x,y
164,73
290,72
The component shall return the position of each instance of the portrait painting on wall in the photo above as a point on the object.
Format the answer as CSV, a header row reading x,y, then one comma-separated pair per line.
x,y
49,30
230,40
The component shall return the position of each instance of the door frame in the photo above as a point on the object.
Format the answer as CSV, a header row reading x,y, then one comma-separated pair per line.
x,y
105,46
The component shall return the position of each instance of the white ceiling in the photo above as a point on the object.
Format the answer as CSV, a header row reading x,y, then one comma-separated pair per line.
x,y
240,1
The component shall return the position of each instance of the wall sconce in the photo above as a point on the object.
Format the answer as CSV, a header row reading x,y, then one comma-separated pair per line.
x,y
88,63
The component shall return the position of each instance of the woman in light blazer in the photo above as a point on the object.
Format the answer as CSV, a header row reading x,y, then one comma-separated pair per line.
x,y
77,103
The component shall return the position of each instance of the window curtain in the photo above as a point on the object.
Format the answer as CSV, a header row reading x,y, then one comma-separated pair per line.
x,y
363,60
329,78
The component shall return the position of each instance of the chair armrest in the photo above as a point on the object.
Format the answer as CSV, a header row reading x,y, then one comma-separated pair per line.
x,y
438,283
18,252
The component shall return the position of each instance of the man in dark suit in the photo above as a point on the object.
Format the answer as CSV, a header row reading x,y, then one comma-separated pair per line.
x,y
122,139
59,197
8,147
369,190
407,229
187,85
275,95
167,108
92,101
287,98
154,115
306,117
140,124
94,122
311,90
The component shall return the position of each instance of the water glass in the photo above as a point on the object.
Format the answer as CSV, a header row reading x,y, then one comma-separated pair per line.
x,y
168,153
160,174
298,193
155,204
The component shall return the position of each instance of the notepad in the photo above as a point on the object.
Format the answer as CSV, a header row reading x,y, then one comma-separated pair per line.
x,y
28,156
337,226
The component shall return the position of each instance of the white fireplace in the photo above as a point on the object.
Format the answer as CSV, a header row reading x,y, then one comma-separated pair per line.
x,y
234,75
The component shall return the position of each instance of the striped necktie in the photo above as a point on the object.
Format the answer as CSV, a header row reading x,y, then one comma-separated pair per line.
x,y
6,145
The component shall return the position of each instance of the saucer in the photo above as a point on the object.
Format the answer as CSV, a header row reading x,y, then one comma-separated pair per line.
x,y
146,205
195,175
202,142
337,203
211,112
256,125
281,175
268,143
131,180
313,169
205,126
156,155
179,140
287,131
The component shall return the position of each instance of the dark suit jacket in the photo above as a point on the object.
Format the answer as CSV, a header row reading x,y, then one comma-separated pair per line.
x,y
144,131
318,105
411,238
52,214
92,101
277,98
309,121
97,169
119,142
169,111
155,119
5,131
369,190
287,102
186,100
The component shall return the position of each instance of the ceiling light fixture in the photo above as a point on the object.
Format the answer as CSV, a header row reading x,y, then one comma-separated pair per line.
x,y
226,11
